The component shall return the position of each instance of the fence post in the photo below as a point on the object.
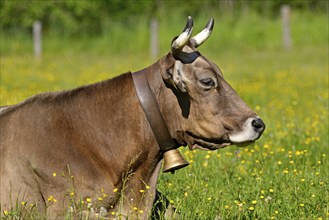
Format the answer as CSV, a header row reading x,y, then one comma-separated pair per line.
x,y
37,38
285,14
154,47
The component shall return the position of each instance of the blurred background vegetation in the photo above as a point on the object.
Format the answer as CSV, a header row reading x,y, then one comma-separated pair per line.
x,y
94,17
244,23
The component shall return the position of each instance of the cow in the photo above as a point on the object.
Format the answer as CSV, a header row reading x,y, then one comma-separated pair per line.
x,y
97,144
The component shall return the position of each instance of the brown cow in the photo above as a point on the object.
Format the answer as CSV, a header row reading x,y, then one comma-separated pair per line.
x,y
95,143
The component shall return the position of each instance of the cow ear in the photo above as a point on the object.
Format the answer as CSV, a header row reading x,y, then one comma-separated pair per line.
x,y
168,65
178,76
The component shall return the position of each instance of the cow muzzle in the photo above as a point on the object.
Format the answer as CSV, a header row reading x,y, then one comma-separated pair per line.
x,y
252,129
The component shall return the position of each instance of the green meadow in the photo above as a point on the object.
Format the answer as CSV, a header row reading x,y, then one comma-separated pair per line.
x,y
284,175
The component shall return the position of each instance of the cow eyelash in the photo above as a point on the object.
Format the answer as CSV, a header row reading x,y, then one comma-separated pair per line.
x,y
207,82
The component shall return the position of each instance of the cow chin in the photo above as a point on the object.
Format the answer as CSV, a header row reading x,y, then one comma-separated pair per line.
x,y
244,144
203,145
195,142
208,146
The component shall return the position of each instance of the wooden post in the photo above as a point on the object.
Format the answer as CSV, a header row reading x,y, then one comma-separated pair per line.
x,y
37,40
226,5
154,47
285,14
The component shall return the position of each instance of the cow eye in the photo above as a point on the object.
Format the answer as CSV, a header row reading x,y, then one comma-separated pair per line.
x,y
207,82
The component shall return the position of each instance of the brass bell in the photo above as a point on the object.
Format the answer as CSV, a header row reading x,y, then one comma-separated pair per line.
x,y
173,160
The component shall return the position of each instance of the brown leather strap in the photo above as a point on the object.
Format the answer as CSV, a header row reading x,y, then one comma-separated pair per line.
x,y
152,112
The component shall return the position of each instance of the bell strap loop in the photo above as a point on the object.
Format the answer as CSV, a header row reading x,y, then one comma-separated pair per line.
x,y
152,112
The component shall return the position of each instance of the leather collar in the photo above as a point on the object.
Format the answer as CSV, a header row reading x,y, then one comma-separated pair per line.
x,y
152,112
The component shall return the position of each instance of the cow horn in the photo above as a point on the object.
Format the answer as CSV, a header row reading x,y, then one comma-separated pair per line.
x,y
183,38
201,37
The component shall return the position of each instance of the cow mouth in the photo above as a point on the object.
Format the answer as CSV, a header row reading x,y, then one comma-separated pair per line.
x,y
197,142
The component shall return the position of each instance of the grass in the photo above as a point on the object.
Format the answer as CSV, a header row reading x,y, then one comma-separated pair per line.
x,y
284,175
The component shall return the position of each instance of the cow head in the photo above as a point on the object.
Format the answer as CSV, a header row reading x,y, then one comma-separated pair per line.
x,y
211,114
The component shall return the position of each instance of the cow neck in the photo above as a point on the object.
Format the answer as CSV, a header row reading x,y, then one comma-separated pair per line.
x,y
152,111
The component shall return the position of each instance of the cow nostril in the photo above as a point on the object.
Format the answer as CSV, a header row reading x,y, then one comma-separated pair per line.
x,y
258,124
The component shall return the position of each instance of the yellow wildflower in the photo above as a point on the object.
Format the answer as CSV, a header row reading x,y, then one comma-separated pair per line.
x,y
88,200
115,190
